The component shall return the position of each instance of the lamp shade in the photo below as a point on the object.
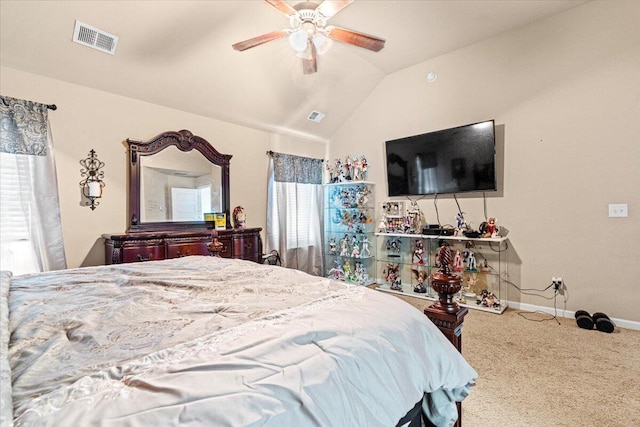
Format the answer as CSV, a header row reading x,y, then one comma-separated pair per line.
x,y
322,43
298,40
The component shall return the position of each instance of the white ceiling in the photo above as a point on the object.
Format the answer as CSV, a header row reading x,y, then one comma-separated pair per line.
x,y
178,53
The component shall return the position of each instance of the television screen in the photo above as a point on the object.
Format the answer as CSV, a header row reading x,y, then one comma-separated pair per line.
x,y
455,160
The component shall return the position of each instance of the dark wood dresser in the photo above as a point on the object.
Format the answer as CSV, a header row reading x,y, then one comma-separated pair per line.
x,y
243,243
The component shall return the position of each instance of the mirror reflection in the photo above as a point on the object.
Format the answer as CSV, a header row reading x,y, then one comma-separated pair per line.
x,y
179,186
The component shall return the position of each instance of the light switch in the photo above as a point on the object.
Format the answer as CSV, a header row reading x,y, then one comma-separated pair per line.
x,y
618,210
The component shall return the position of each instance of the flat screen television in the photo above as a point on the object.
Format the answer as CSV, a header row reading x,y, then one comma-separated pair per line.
x,y
456,160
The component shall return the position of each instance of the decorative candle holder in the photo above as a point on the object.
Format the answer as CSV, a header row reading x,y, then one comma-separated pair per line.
x,y
92,183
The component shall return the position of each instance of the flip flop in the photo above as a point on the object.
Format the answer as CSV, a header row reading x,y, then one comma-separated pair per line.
x,y
584,319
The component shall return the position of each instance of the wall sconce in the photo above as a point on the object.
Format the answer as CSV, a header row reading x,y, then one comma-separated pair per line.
x,y
92,183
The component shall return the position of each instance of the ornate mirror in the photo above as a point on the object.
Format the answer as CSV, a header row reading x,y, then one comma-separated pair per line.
x,y
175,180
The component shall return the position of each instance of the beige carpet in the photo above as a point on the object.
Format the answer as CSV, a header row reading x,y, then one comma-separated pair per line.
x,y
539,374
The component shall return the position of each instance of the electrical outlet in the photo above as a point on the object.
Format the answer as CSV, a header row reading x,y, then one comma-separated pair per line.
x,y
618,210
557,283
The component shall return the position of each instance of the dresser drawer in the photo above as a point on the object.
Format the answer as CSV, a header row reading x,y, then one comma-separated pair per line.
x,y
226,246
247,246
180,250
143,253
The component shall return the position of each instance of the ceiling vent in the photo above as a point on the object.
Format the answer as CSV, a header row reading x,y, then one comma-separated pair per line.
x,y
316,116
92,37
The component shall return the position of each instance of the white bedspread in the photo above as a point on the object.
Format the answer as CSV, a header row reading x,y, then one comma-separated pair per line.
x,y
203,341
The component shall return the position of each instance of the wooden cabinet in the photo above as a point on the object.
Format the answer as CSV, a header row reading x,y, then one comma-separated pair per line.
x,y
135,247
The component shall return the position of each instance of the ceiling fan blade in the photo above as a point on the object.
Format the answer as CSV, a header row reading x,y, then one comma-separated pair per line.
x,y
328,8
282,6
355,38
309,64
256,41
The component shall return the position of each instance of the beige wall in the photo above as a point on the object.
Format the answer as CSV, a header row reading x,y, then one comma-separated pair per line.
x,y
88,118
565,94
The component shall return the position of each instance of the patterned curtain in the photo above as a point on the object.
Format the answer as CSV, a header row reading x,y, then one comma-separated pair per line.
x,y
23,127
30,225
303,170
294,211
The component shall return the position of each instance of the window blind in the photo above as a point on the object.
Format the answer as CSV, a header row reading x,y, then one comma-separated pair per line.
x,y
17,252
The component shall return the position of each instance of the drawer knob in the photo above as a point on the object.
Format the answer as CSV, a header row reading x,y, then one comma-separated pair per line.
x,y
140,258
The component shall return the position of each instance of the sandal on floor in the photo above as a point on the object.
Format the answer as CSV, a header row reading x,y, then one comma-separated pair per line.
x,y
603,323
584,319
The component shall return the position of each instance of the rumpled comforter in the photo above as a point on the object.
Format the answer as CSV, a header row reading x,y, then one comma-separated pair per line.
x,y
204,341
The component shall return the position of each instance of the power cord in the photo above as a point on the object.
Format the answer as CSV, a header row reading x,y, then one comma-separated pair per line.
x,y
555,303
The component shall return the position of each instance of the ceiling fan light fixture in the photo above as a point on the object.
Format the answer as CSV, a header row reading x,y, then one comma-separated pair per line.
x,y
308,34
298,40
305,54
322,43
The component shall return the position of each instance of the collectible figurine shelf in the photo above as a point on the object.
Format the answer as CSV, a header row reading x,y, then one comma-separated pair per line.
x,y
349,232
405,262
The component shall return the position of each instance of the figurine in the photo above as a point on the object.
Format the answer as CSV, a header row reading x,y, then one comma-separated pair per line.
x,y
355,167
333,245
355,251
471,261
418,250
348,167
421,277
489,228
469,288
344,246
382,226
394,246
363,218
407,224
416,218
363,197
337,272
461,224
457,262
332,173
364,166
361,274
488,299
392,278
346,267
239,217
365,247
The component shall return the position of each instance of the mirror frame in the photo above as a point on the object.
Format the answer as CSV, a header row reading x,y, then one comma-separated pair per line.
x,y
185,141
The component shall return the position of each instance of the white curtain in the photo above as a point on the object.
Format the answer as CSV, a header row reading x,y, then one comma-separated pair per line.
x,y
30,226
294,211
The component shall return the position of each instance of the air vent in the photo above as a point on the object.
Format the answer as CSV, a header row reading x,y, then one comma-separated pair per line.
x,y
316,116
89,36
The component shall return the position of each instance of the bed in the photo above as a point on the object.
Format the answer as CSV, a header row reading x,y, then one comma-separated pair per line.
x,y
208,341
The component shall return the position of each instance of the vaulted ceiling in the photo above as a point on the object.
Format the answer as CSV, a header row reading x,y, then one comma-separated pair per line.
x,y
178,53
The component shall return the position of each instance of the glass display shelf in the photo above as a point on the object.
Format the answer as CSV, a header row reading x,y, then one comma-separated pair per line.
x,y
349,232
405,262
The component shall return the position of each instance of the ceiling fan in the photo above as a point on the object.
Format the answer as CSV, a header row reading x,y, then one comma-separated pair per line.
x,y
309,34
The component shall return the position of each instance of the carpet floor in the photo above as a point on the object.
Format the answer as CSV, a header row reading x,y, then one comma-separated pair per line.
x,y
536,371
